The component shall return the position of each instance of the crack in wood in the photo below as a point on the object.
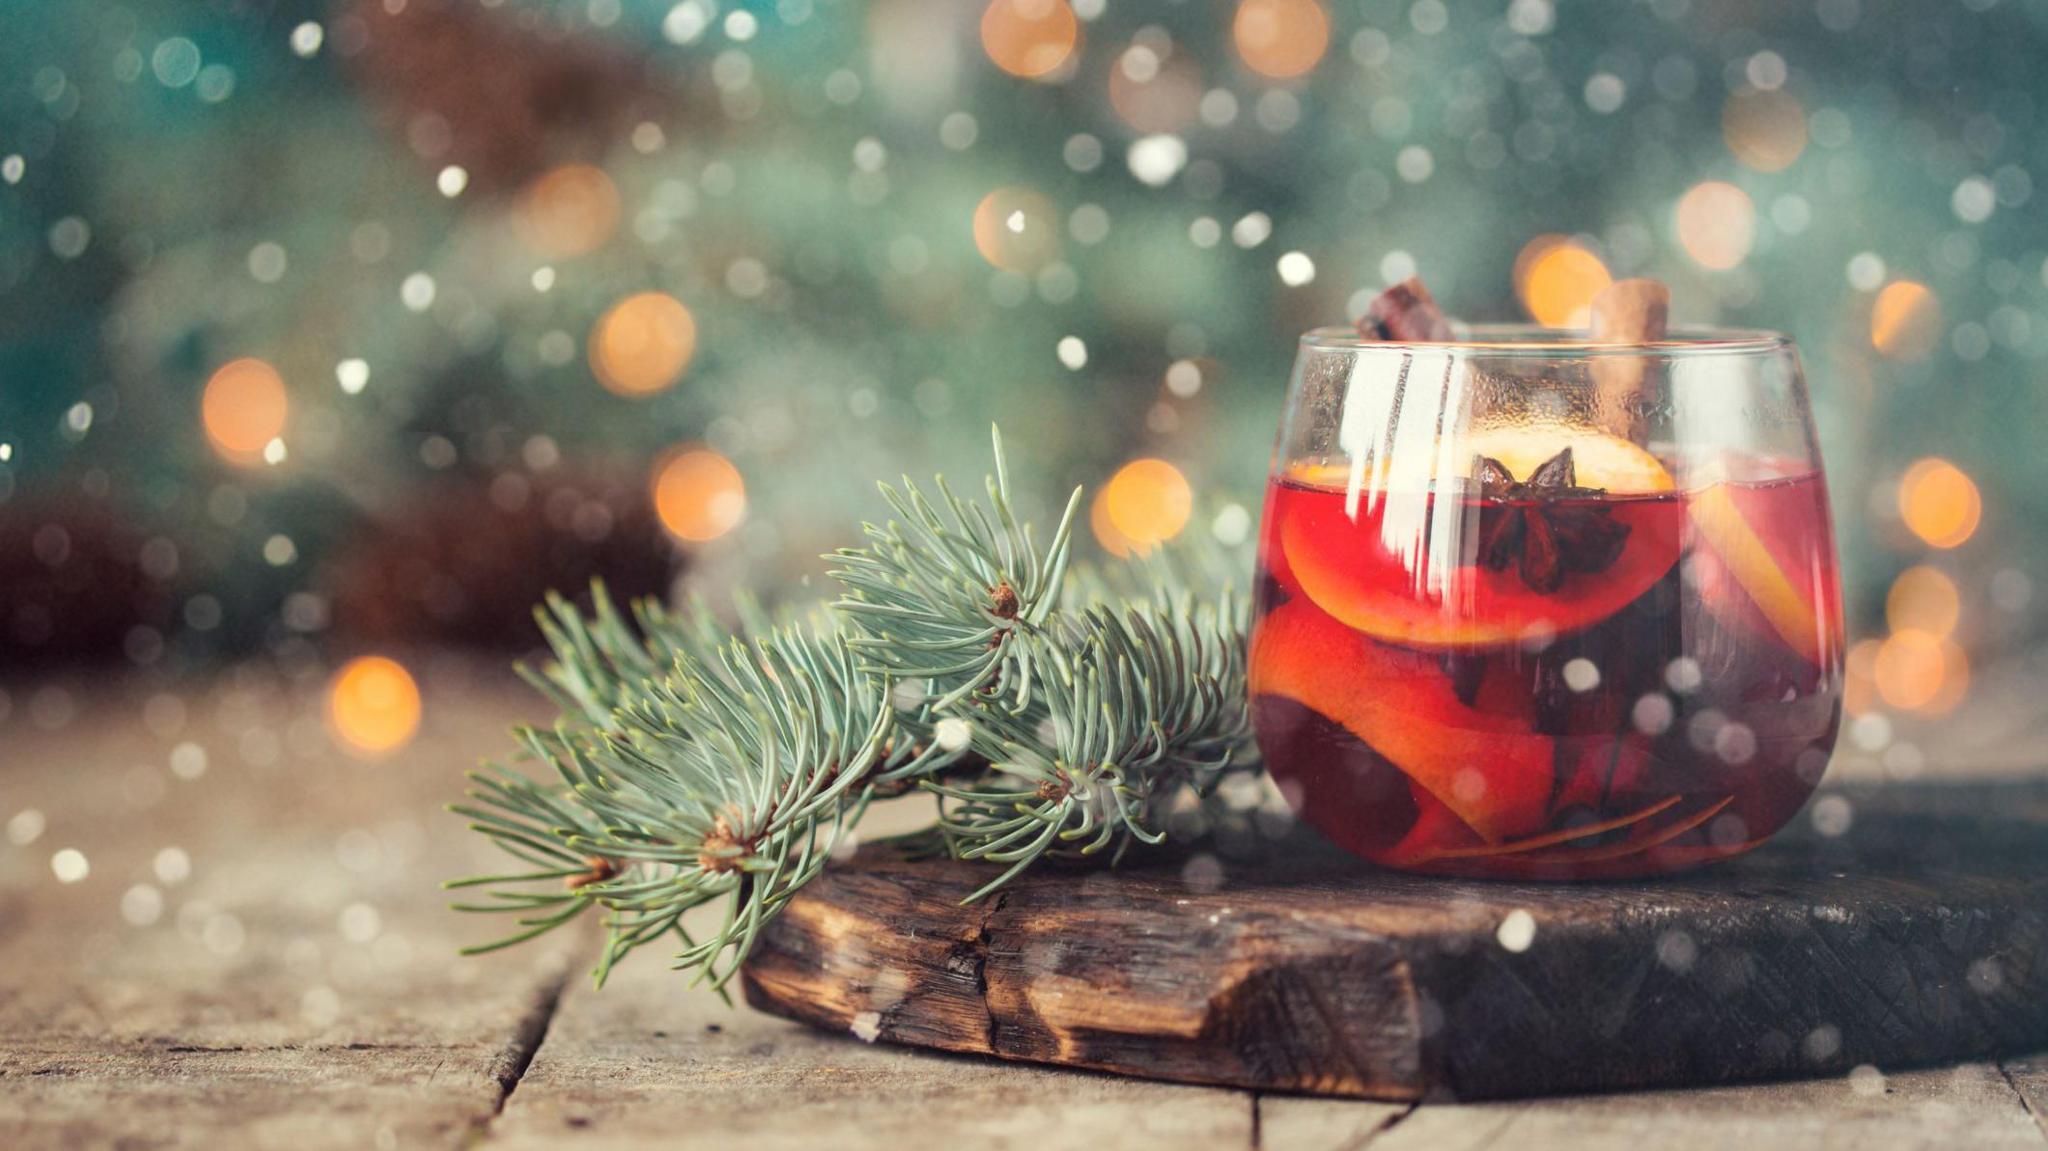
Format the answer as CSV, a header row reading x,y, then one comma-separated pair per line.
x,y
978,951
1382,1127
509,1066
2026,1101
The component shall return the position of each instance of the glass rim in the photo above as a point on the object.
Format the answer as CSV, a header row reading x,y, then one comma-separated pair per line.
x,y
1538,342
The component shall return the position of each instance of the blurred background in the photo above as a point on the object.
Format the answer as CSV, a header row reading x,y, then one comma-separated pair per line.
x,y
333,334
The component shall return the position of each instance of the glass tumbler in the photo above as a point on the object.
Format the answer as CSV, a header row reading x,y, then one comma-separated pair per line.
x,y
1534,606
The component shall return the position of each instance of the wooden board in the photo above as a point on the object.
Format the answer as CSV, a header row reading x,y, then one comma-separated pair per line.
x,y
1919,935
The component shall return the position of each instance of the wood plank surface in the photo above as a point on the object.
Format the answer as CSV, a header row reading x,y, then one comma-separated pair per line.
x,y
1970,1106
259,955
1918,934
2029,1077
285,978
648,1063
1302,1123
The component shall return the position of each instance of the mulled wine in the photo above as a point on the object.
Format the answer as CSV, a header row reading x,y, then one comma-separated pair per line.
x,y
1537,646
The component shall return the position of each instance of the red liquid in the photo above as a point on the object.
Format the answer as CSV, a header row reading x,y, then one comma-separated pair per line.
x,y
1651,685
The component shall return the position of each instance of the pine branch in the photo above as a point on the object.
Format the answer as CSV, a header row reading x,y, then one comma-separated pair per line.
x,y
942,595
1048,711
727,777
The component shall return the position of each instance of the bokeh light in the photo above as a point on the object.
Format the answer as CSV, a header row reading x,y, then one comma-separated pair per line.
x,y
243,409
1152,96
1146,503
1557,280
1905,321
1916,671
643,344
1029,38
1923,599
373,705
1939,503
698,494
569,211
1859,677
1280,39
1016,229
1765,128
1716,224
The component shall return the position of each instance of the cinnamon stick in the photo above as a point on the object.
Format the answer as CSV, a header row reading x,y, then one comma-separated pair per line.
x,y
1628,312
1632,312
1405,311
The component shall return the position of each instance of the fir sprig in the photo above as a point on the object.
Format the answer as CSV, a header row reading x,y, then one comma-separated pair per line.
x,y
1048,710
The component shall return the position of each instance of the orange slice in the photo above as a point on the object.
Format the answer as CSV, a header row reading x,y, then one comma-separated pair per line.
x,y
1344,555
1491,770
1725,530
1602,460
1615,465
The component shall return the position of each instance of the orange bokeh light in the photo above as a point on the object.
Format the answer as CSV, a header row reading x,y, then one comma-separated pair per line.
x,y
373,705
1016,229
570,210
1905,321
1557,280
1716,224
1765,130
1916,671
243,408
1029,38
1923,599
1859,679
1280,39
1939,503
1146,503
643,344
699,495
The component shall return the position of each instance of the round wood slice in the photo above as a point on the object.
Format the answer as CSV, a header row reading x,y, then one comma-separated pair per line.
x,y
1920,935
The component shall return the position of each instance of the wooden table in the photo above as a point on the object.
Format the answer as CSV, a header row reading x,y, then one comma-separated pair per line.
x,y
298,987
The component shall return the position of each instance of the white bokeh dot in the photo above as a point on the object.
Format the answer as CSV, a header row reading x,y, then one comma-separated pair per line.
x,y
952,733
142,905
1605,92
1155,160
70,865
1516,931
1974,200
417,292
306,38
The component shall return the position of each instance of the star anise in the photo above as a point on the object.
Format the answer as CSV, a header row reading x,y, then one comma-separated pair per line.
x,y
1544,524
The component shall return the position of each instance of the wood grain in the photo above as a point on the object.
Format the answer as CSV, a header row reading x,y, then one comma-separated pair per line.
x,y
1922,935
300,988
